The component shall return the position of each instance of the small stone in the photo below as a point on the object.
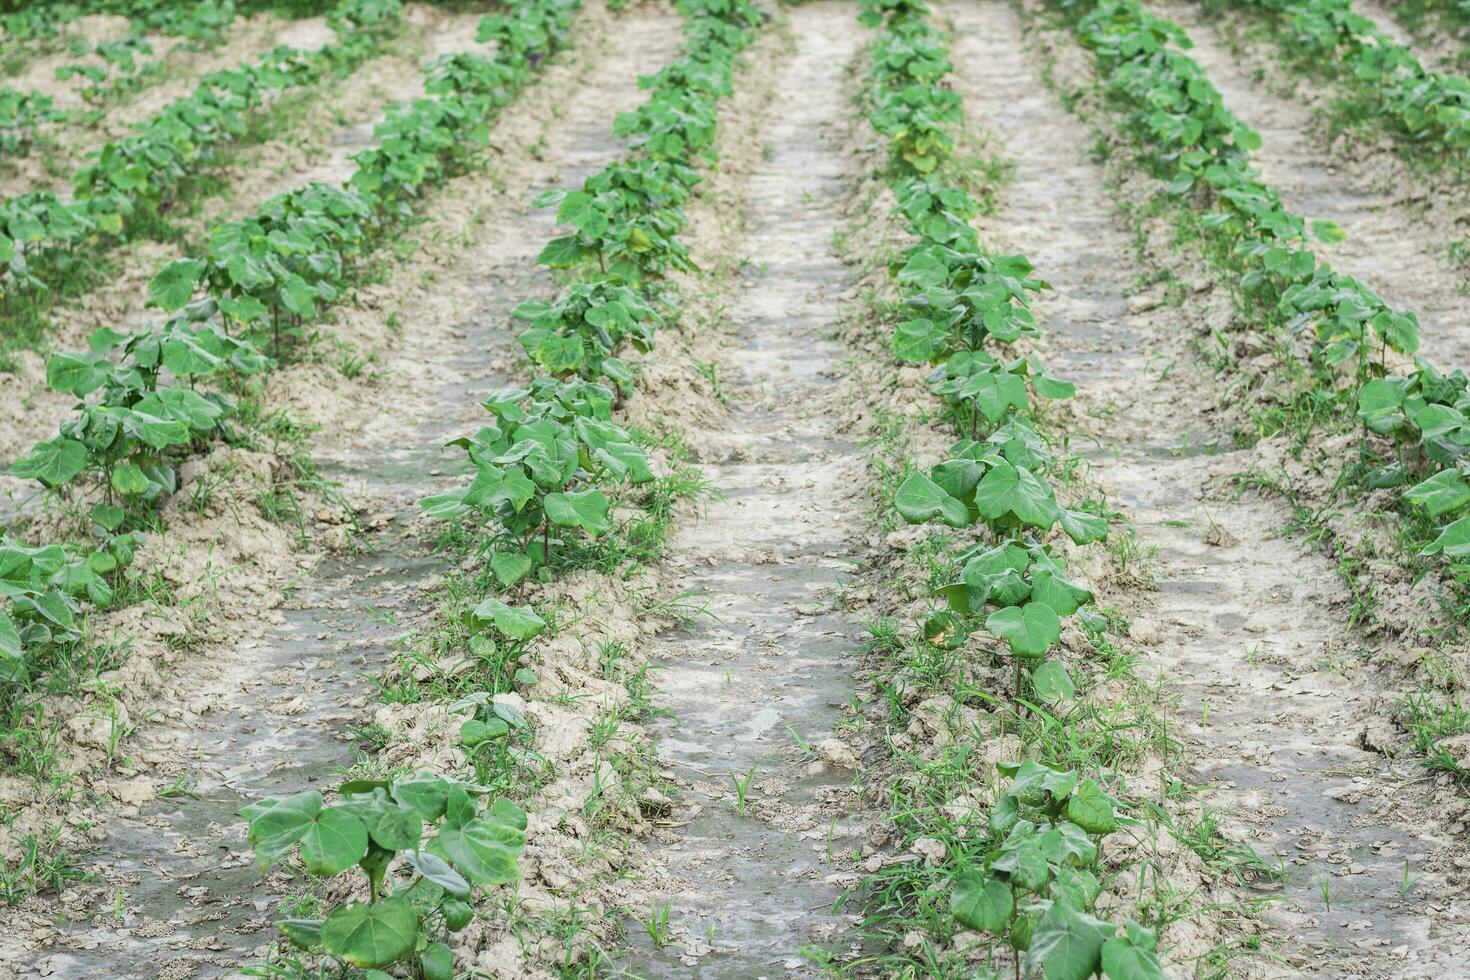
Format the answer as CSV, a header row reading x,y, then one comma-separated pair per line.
x,y
931,849
1143,631
835,753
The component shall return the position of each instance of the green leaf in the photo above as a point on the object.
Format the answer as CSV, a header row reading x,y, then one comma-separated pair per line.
x,y
981,903
920,499
1443,492
243,309
917,341
1380,405
107,516
586,509
1082,527
304,934
298,297
151,430
334,841
1453,540
1030,629
1052,683
563,253
76,374
1132,957
1050,587
181,405
510,567
371,935
437,962
1022,860
1067,944
128,479
1091,809
1067,845
1007,489
474,731
427,795
1328,232
485,849
11,665
997,393
54,463
357,787
392,826
437,870
518,622
579,209
174,285
276,824
1051,387
1076,885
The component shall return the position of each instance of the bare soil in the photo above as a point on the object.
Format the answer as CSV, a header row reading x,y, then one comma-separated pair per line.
x,y
756,683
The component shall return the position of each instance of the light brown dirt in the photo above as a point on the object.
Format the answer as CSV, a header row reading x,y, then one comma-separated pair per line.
x,y
770,651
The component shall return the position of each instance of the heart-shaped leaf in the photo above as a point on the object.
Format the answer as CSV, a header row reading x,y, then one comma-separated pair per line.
x,y
1132,957
174,285
517,622
485,849
334,841
1051,682
1030,629
371,935
1067,944
586,509
981,903
1009,490
276,824
920,499
1091,809
54,463
437,870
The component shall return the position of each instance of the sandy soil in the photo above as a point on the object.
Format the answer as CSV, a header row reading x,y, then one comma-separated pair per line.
x,y
771,652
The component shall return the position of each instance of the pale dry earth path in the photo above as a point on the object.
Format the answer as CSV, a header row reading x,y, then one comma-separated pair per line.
x,y
769,660
271,713
1248,632
1398,237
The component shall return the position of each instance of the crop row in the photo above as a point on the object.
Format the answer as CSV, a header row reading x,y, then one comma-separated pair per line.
x,y
1191,140
129,180
544,466
1429,107
203,21
1032,879
150,399
22,114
